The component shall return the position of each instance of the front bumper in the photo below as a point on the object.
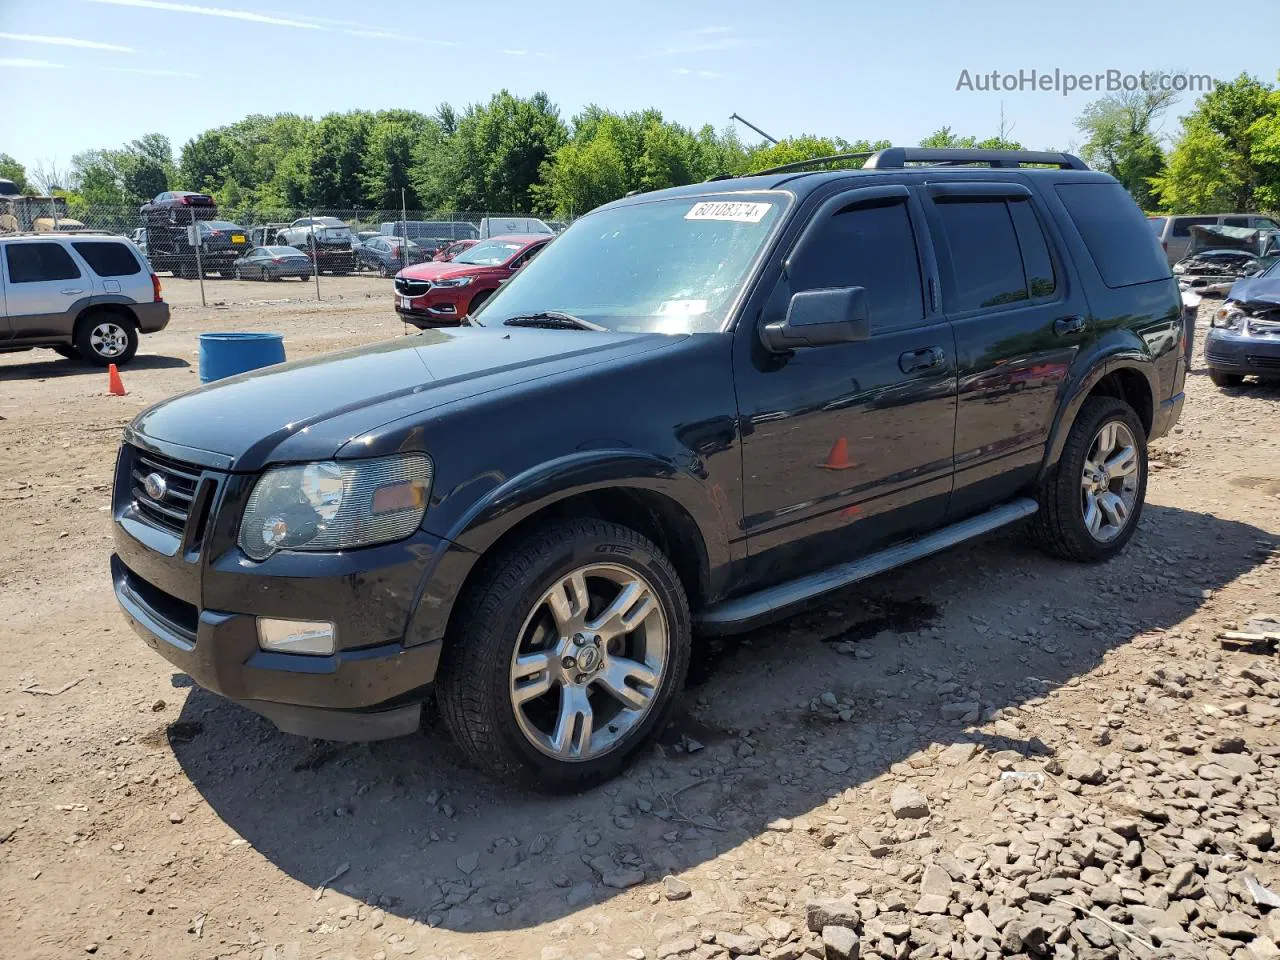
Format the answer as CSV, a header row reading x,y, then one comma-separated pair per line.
x,y
194,598
435,308
1232,351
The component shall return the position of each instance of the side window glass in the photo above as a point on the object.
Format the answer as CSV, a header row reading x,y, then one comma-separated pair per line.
x,y
1035,249
36,262
1235,221
873,247
985,257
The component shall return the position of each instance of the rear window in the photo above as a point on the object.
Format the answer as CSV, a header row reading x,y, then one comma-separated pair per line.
x,y
1120,243
108,259
1182,225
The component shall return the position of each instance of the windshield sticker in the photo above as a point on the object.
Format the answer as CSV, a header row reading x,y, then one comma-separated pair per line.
x,y
734,210
683,308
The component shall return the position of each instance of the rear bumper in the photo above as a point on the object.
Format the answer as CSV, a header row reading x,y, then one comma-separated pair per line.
x,y
1232,352
152,317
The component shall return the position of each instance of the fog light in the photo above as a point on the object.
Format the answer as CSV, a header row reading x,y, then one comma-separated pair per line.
x,y
296,636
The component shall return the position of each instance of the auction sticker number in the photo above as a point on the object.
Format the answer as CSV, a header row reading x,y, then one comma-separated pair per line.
x,y
737,211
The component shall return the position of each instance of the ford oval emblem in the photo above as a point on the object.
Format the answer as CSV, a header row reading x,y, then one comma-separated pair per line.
x,y
156,486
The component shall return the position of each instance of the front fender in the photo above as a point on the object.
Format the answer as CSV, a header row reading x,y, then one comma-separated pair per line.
x,y
520,497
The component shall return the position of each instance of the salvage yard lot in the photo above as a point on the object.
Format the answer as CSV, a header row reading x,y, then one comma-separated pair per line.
x,y
854,752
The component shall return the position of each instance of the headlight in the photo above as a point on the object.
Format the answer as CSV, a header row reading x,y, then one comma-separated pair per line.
x,y
335,505
1228,317
453,282
1179,268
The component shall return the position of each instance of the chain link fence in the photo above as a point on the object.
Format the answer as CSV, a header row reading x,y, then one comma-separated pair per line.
x,y
195,240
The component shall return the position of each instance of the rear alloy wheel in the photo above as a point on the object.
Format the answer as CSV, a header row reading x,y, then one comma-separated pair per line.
x,y
106,338
1221,379
567,656
1091,502
383,271
236,273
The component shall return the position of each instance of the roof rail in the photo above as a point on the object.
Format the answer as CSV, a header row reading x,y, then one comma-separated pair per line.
x,y
798,165
954,156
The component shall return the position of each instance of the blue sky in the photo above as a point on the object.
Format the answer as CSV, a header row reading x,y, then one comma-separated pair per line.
x,y
78,74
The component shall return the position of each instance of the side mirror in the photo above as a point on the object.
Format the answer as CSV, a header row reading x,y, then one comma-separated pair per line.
x,y
819,318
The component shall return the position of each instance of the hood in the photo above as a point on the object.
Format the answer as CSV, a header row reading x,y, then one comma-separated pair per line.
x,y
1264,290
441,270
309,409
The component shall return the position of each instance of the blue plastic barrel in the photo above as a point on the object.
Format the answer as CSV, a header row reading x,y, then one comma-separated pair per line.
x,y
226,354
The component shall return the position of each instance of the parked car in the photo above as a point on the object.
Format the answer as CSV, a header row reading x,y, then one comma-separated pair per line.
x,y
1219,256
326,240
441,294
431,235
267,235
1244,334
706,406
386,255
1174,232
273,263
168,221
506,226
452,250
86,295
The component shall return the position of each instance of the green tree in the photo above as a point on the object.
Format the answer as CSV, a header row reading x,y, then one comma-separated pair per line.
x,y
493,159
335,159
1122,140
389,157
11,169
1220,159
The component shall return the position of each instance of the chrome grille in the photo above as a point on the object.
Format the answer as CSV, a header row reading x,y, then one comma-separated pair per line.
x,y
412,288
181,480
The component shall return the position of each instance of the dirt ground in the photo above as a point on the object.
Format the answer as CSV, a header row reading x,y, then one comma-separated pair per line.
x,y
844,754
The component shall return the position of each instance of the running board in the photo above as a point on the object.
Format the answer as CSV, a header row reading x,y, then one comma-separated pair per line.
x,y
743,613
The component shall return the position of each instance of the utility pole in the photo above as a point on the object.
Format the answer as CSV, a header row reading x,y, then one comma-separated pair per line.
x,y
748,123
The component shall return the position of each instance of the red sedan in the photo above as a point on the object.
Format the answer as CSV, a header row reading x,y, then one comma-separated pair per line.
x,y
440,294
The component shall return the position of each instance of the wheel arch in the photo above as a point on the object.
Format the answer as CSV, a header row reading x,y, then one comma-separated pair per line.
x,y
120,308
1128,378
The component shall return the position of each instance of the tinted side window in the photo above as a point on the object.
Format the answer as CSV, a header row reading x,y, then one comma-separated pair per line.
x,y
33,262
1113,228
872,247
1181,225
985,256
108,259
1035,249
1235,221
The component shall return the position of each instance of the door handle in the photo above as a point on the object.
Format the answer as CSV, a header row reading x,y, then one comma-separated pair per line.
x,y
925,359
1065,326
72,293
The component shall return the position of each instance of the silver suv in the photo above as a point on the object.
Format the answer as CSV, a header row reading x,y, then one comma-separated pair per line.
x,y
1174,232
83,294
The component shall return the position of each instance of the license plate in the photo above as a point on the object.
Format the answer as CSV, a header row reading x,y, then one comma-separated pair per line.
x,y
237,238
405,303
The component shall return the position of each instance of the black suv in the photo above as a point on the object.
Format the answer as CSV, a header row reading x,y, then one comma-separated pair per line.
x,y
697,410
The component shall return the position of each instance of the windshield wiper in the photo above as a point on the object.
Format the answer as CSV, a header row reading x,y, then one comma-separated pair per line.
x,y
553,320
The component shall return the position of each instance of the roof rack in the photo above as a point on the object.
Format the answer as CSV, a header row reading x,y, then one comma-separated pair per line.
x,y
70,231
798,165
895,157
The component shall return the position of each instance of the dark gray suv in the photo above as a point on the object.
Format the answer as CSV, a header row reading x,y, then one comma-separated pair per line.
x,y
86,295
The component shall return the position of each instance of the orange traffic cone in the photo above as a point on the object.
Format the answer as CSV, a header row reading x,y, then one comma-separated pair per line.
x,y
838,459
115,386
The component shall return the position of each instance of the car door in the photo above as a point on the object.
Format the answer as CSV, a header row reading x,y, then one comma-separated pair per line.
x,y
43,283
848,446
1018,322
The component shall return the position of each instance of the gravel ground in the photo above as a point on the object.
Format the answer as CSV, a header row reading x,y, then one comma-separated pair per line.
x,y
986,753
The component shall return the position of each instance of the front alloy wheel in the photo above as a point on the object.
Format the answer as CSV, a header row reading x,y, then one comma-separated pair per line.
x,y
565,654
589,660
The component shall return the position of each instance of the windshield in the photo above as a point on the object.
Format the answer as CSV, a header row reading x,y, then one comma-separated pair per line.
x,y
490,254
668,266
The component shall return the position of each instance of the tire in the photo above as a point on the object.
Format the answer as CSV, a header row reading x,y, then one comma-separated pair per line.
x,y
103,338
382,270
1221,379
236,273
508,609
478,301
66,351
1060,527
